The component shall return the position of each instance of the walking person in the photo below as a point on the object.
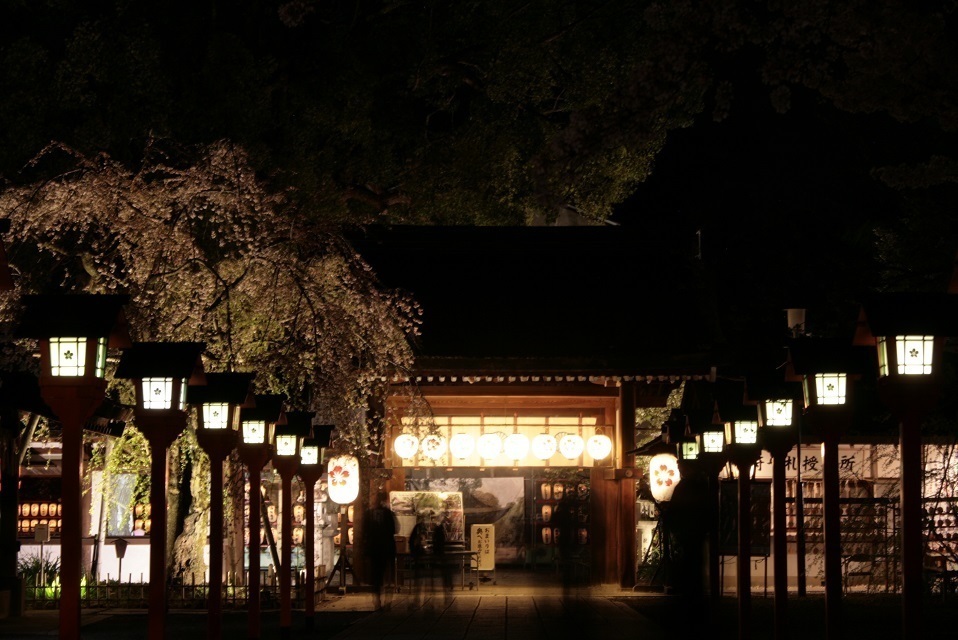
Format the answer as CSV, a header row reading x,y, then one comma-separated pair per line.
x,y
418,540
379,548
440,536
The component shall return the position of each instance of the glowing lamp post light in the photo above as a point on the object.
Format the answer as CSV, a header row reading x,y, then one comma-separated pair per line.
x,y
256,428
826,369
907,332
160,372
775,400
286,460
741,436
310,471
218,404
74,332
343,484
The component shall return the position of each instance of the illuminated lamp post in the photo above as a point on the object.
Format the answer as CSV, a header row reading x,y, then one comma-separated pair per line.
x,y
310,471
218,404
160,372
741,434
288,440
74,332
256,428
343,487
826,368
907,330
775,399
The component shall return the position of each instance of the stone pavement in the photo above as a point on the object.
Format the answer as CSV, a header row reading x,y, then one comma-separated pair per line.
x,y
475,616
490,614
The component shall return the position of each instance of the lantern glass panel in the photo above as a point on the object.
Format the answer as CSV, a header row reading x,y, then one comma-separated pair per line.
x,y
286,445
216,416
742,432
309,455
689,450
713,441
157,393
68,357
882,356
254,432
778,413
914,354
830,388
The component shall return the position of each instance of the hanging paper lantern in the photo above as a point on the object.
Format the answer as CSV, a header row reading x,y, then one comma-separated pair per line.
x,y
544,446
434,446
663,476
462,445
406,445
489,446
599,446
343,483
516,446
571,446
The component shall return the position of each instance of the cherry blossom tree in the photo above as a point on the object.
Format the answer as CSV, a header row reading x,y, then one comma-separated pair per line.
x,y
208,253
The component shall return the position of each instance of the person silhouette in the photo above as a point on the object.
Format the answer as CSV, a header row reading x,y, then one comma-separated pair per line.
x,y
379,547
439,540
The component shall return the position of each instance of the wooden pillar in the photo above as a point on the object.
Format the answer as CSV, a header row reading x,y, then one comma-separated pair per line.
x,y
625,427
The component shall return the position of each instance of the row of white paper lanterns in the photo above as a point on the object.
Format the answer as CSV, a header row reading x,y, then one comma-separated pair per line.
x,y
516,446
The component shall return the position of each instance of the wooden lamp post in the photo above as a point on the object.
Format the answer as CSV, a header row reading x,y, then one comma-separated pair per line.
x,y
907,332
218,405
160,372
255,448
310,471
74,332
776,401
826,368
288,439
742,438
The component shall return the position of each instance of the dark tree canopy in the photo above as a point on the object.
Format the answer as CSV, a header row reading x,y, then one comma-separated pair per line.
x,y
479,111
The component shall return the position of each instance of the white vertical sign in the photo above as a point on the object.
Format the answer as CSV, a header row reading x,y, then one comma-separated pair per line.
x,y
483,540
